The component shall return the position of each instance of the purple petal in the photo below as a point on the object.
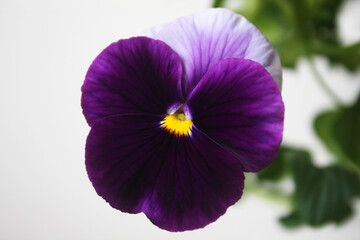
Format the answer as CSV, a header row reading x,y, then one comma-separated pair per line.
x,y
238,105
205,38
136,75
180,183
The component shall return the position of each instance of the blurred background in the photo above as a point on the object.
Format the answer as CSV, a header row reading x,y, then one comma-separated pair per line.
x,y
45,50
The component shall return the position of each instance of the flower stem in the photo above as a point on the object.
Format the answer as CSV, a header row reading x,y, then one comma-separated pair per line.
x,y
323,84
264,192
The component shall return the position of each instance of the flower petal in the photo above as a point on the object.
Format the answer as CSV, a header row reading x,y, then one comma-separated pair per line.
x,y
180,183
205,38
136,75
238,105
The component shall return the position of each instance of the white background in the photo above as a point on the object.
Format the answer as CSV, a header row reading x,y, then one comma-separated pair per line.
x,y
45,50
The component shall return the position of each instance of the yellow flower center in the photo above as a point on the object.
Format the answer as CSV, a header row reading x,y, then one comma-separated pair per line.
x,y
177,124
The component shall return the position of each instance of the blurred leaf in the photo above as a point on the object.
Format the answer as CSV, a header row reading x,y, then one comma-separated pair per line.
x,y
292,220
320,20
301,28
277,169
282,164
218,3
324,127
348,56
347,132
323,195
340,132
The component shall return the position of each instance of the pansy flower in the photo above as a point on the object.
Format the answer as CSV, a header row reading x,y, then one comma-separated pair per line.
x,y
178,115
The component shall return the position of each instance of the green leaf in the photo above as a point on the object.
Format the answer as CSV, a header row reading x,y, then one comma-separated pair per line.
x,y
348,56
347,132
218,3
339,130
276,170
323,195
293,220
282,164
320,20
324,125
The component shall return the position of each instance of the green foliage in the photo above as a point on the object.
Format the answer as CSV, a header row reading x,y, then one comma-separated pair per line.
x,y
218,3
348,56
277,169
281,166
322,195
292,220
339,130
300,29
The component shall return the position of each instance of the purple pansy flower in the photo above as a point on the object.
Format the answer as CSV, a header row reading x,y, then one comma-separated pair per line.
x,y
177,116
